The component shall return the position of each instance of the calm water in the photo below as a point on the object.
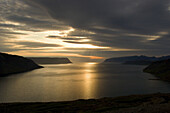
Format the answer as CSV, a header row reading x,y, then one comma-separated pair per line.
x,y
78,81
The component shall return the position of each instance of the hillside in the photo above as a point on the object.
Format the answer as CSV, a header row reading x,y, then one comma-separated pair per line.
x,y
11,64
160,68
136,60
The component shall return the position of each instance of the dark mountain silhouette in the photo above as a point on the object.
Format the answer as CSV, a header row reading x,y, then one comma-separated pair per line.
x,y
130,58
137,60
48,60
160,68
11,64
163,58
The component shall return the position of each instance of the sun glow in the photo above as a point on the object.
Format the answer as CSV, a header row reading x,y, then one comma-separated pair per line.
x,y
61,33
91,63
88,46
88,69
81,44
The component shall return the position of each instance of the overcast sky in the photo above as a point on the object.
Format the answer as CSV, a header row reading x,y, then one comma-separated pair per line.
x,y
85,30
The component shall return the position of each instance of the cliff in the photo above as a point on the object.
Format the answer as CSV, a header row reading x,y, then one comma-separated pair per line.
x,y
11,64
48,60
160,68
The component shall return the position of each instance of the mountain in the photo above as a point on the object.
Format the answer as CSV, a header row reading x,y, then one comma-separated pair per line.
x,y
11,64
163,58
48,60
138,62
131,58
160,68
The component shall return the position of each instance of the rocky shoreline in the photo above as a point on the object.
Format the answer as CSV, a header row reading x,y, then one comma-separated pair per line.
x,y
149,103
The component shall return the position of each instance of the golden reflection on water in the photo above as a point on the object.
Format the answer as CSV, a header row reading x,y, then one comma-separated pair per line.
x,y
88,74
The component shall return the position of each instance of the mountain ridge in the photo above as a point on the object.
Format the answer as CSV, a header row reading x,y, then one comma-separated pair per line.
x,y
50,60
136,58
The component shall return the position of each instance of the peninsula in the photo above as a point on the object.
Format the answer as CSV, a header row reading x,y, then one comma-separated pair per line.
x,y
12,64
160,68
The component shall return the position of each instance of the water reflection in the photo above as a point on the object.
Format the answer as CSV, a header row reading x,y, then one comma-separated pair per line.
x,y
88,78
78,81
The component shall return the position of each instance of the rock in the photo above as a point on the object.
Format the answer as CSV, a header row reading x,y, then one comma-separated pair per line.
x,y
12,64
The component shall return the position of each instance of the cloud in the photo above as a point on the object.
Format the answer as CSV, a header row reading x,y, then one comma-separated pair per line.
x,y
77,42
125,24
36,44
147,17
53,36
131,15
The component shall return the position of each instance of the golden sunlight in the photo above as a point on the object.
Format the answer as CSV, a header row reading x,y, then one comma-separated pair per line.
x,y
88,74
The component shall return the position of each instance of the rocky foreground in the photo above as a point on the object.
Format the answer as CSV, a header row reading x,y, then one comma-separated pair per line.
x,y
160,68
152,103
12,64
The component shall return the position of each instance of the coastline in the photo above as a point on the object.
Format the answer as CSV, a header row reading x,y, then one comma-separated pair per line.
x,y
147,103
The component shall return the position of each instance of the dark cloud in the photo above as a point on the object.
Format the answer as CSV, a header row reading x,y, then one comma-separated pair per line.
x,y
53,36
74,39
109,19
69,38
76,42
132,15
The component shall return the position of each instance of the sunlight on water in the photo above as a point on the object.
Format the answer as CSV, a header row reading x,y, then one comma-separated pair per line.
x,y
78,81
91,63
89,67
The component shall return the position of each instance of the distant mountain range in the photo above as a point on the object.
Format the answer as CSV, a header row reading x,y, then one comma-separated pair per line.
x,y
138,60
50,60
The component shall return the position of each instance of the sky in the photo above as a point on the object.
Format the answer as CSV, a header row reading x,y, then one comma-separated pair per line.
x,y
85,30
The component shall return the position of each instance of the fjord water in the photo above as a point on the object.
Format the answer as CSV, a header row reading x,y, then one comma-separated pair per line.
x,y
78,81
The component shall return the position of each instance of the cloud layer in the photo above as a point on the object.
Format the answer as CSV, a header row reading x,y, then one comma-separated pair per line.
x,y
124,27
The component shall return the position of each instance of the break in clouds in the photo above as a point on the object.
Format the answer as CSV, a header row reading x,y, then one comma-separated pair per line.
x,y
101,28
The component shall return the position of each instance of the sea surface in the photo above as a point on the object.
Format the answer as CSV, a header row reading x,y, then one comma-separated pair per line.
x,y
65,82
